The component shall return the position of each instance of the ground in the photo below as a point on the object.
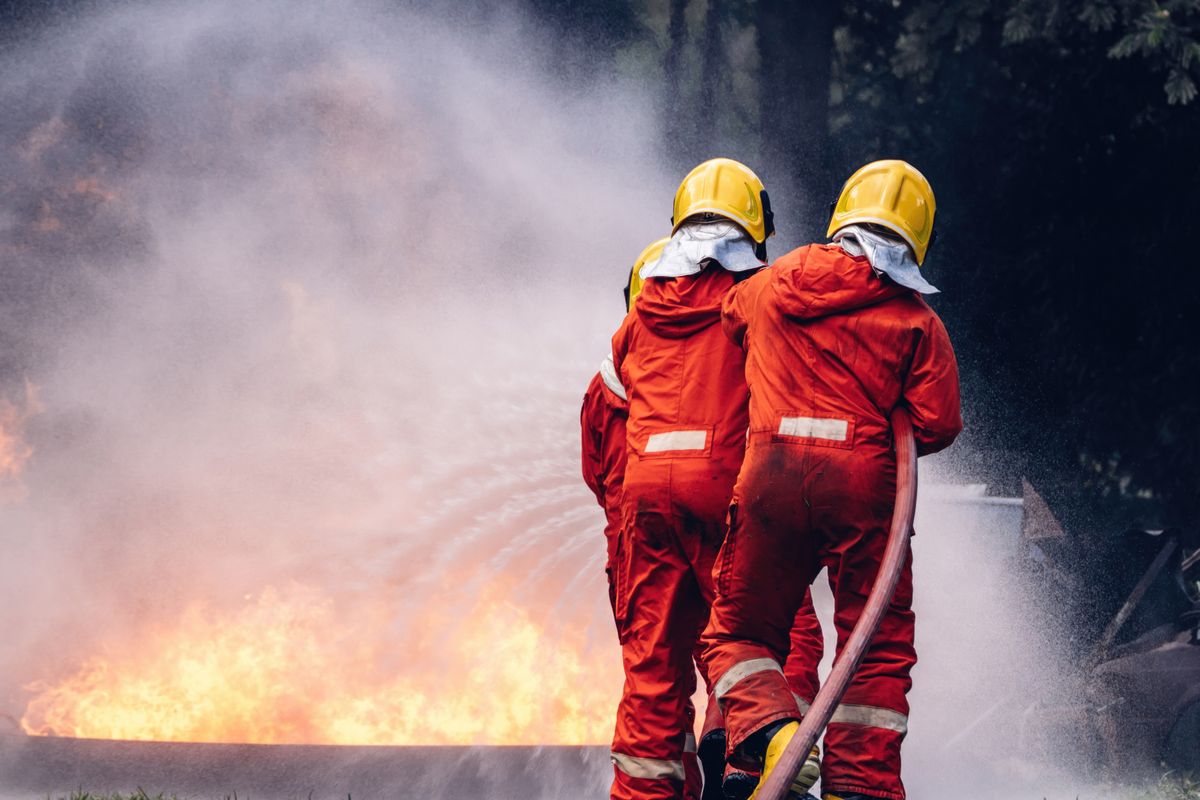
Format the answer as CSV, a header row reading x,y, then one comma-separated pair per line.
x,y
1169,787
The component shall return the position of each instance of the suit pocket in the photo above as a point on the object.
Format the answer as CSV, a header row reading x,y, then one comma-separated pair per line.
x,y
724,568
618,573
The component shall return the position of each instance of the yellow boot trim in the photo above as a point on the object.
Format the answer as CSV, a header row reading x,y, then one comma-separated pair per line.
x,y
809,773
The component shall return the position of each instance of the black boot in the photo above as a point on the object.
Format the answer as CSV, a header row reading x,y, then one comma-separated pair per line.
x,y
711,753
739,785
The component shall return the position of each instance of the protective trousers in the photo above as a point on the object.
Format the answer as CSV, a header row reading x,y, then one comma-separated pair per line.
x,y
602,448
686,433
796,508
806,646
663,570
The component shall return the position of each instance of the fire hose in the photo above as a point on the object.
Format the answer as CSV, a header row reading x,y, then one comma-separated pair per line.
x,y
894,557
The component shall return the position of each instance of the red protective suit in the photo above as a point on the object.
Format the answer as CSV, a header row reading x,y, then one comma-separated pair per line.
x,y
686,434
602,427
831,348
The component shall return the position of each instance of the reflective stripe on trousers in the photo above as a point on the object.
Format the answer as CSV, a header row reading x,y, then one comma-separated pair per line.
x,y
844,714
742,670
655,768
835,430
867,716
870,717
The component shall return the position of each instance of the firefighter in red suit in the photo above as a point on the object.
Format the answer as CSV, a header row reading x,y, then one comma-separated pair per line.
x,y
835,337
686,433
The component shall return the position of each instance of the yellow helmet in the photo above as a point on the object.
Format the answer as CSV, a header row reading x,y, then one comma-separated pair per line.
x,y
890,193
651,253
729,189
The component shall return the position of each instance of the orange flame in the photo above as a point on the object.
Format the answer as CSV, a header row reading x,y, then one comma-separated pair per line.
x,y
286,670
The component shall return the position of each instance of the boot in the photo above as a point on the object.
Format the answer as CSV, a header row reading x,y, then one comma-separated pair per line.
x,y
739,785
777,737
711,753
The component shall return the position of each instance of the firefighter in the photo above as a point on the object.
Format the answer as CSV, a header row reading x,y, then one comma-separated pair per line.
x,y
686,433
602,425
836,336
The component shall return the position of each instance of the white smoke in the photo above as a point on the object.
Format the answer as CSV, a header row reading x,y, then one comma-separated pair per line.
x,y
309,293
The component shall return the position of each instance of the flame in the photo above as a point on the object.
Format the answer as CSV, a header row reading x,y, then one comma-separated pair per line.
x,y
15,452
285,669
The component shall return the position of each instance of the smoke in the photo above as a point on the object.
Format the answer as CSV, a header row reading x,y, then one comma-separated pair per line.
x,y
309,295
989,659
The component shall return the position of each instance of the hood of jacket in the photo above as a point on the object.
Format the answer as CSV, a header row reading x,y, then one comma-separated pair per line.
x,y
887,254
676,308
823,280
698,242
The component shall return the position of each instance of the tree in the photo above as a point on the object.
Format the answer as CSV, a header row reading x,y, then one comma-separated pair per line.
x,y
676,126
796,51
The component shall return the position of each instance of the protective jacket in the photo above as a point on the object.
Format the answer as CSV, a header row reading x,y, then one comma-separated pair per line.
x,y
831,348
685,438
602,428
687,397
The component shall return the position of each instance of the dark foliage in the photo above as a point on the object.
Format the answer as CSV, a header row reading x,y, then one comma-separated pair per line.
x,y
1067,178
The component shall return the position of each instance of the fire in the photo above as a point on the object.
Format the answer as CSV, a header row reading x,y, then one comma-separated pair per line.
x,y
14,450
286,669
